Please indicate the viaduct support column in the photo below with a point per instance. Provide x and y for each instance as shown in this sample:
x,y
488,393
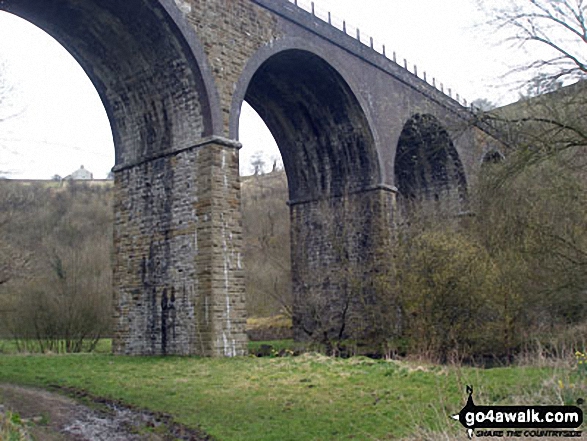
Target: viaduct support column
x,y
178,277
341,264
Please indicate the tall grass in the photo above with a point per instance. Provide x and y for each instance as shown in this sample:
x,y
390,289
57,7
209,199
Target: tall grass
x,y
12,429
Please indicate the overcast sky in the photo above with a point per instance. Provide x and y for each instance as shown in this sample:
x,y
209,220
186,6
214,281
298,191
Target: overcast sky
x,y
61,123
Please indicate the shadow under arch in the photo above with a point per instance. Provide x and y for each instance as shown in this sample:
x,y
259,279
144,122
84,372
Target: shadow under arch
x,y
323,132
336,203
146,64
493,156
428,172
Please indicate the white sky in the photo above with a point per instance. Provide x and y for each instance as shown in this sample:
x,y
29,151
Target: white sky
x,y
61,123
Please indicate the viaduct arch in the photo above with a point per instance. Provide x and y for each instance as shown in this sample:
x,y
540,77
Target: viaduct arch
x,y
172,75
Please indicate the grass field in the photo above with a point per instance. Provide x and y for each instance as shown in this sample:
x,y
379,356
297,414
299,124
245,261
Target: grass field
x,y
309,397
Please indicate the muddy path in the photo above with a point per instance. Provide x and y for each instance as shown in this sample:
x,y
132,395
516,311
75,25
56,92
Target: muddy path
x,y
51,416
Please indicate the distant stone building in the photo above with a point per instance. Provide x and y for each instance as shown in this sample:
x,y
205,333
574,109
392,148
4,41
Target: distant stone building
x,y
80,175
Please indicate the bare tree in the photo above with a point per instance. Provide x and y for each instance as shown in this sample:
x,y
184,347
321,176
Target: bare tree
x,y
557,29
58,281
267,254
258,163
15,203
531,216
550,119
483,104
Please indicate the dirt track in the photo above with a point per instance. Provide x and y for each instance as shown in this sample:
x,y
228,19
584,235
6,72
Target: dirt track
x,y
54,417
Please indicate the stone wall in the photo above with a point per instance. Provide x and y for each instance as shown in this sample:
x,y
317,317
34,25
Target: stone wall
x,y
178,273
342,246
179,281
231,32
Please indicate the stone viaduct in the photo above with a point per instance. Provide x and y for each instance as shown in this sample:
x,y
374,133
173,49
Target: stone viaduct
x,y
358,134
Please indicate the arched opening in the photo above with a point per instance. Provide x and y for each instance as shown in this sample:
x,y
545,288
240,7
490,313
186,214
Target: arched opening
x,y
321,130
141,63
330,159
151,74
56,217
428,172
52,119
492,157
266,228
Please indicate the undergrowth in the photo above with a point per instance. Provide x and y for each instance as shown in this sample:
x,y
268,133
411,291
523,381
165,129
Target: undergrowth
x,y
12,428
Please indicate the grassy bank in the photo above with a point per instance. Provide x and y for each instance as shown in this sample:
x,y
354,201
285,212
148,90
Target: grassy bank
x,y
293,398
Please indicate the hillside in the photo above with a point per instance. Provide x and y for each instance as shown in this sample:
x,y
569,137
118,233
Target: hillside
x,y
56,242
266,232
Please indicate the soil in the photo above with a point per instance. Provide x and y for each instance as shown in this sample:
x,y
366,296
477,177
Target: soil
x,y
52,416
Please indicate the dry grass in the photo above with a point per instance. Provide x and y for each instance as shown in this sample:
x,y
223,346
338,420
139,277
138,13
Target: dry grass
x,y
276,321
11,428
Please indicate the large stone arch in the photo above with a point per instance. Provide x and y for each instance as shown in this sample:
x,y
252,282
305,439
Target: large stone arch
x,y
428,171
336,203
315,55
323,134
147,66
177,221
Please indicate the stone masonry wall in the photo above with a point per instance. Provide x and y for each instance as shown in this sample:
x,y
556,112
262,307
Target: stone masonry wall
x,y
177,273
178,270
231,32
342,246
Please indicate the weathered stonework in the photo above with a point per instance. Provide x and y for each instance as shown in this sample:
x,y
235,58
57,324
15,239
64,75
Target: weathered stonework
x,y
232,32
178,266
172,75
342,246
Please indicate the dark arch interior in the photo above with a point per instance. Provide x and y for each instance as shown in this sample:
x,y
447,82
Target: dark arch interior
x,y
427,166
139,62
492,157
325,141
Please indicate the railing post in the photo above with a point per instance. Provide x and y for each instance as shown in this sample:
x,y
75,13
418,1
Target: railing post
x,y
384,51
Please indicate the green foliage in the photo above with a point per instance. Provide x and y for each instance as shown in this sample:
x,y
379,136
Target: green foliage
x,y
448,284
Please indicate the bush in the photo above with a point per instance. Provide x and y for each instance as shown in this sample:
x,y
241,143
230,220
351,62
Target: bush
x,y
449,287
63,297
